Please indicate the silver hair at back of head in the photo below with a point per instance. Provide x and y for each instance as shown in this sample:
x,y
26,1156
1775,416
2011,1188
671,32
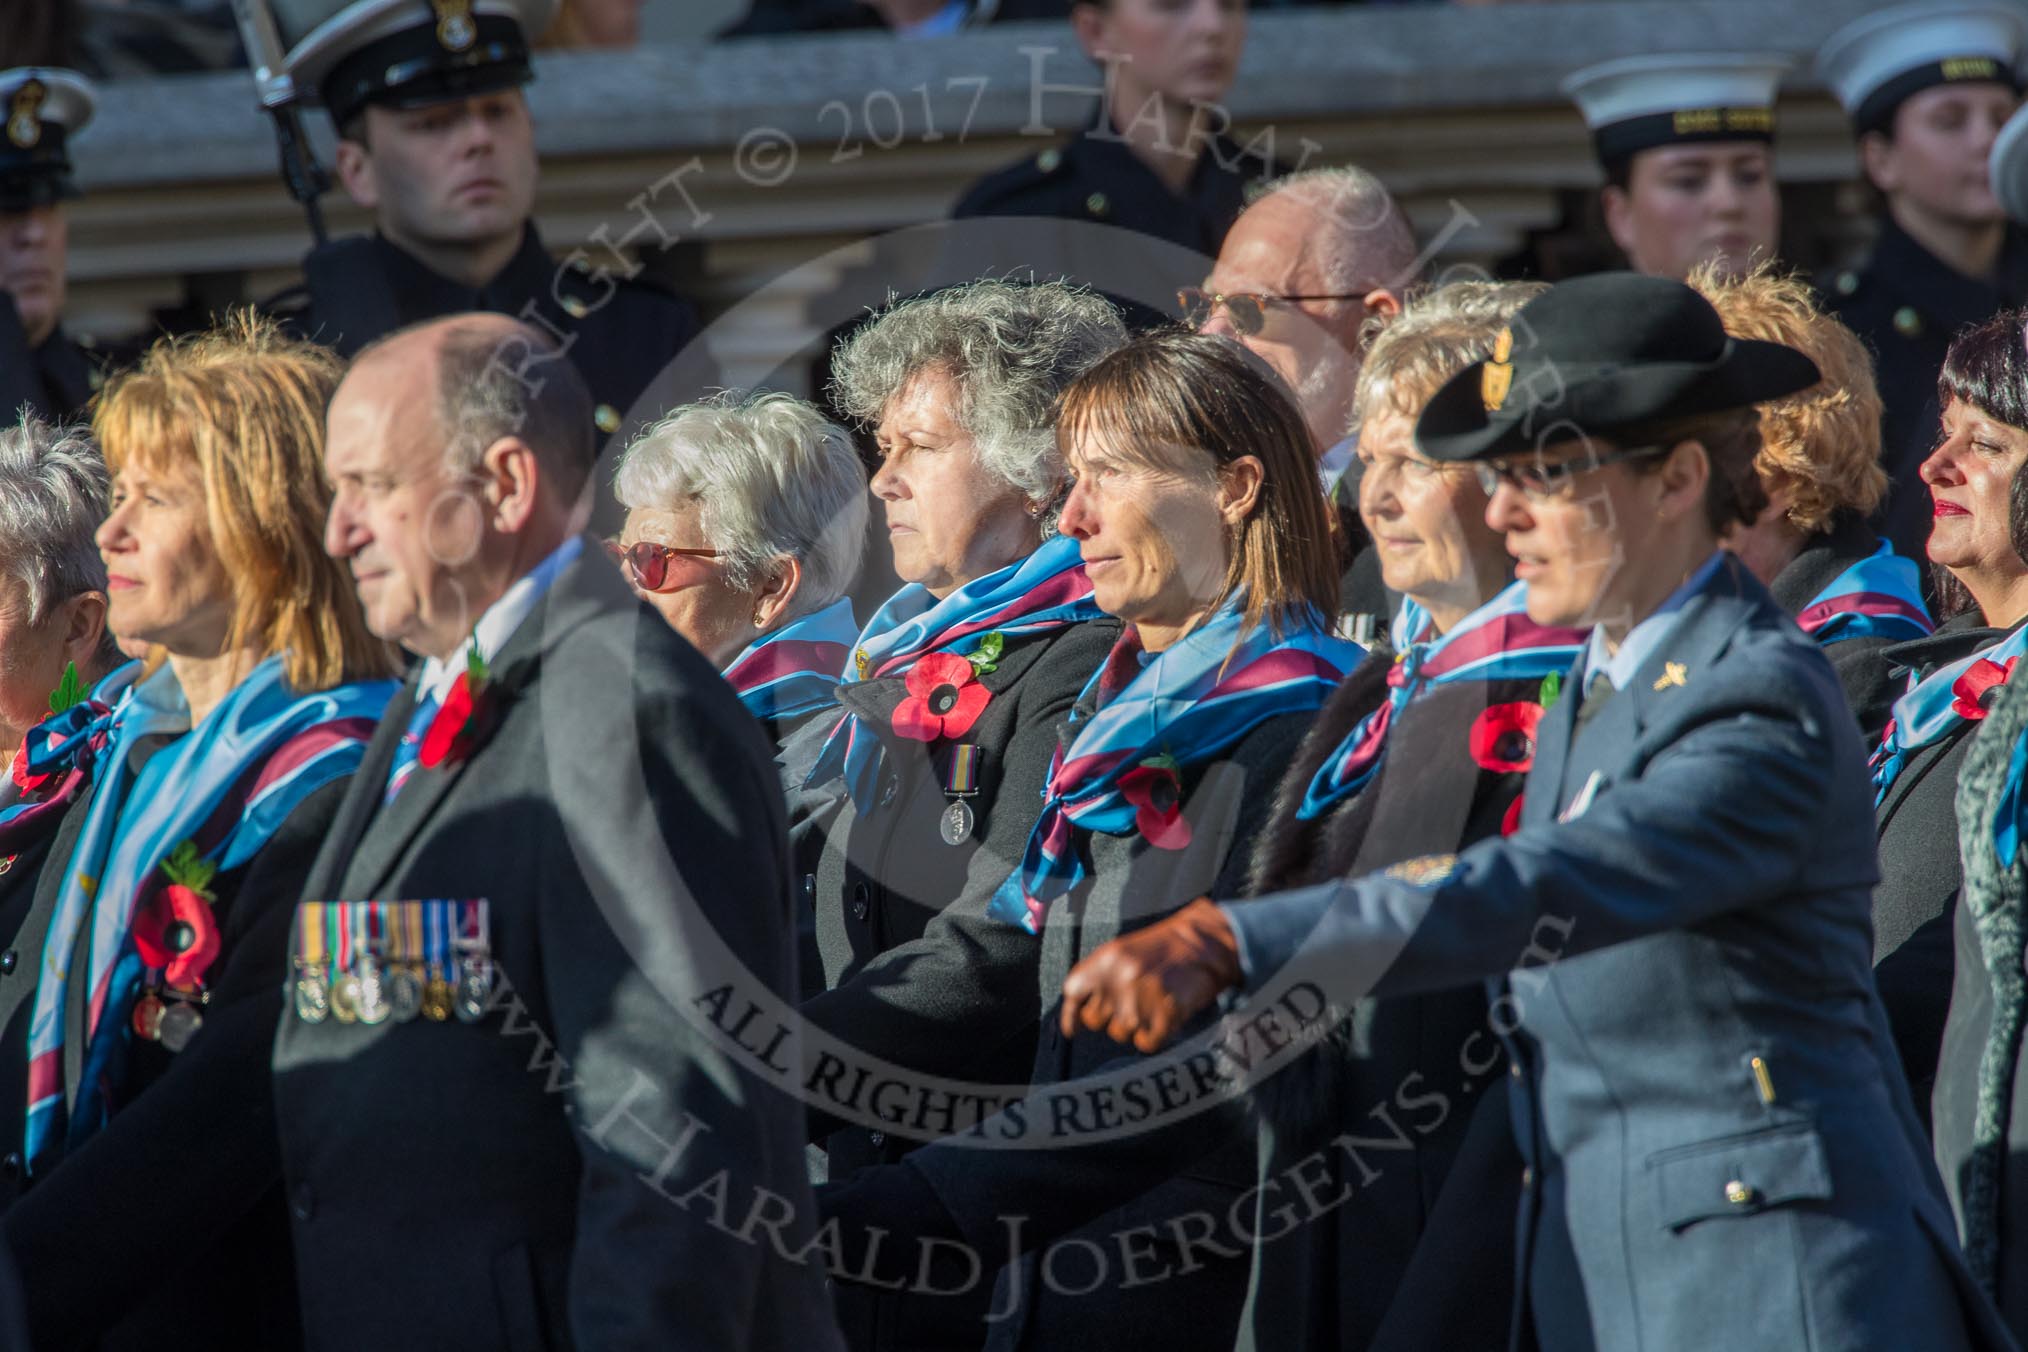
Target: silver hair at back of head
x,y
53,490
772,477
1438,334
1363,239
1009,349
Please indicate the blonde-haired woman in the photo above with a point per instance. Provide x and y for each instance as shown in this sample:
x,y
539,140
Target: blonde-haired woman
x,y
1820,466
164,927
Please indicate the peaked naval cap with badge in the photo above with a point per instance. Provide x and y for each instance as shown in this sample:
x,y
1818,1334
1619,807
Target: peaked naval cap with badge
x,y
406,53
44,107
1600,354
1876,63
1641,102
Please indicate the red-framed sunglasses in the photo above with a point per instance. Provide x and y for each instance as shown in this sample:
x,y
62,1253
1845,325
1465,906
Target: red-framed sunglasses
x,y
648,563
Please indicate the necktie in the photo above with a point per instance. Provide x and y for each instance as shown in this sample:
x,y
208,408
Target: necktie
x,y
409,752
1598,691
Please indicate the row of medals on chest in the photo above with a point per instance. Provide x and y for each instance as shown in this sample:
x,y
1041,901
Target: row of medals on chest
x,y
376,991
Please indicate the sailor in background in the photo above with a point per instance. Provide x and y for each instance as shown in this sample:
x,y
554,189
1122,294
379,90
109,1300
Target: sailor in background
x,y
1927,87
50,372
1686,142
436,142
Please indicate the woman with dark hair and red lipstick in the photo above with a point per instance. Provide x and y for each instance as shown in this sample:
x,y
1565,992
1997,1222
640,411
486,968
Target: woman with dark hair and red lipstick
x,y
1979,545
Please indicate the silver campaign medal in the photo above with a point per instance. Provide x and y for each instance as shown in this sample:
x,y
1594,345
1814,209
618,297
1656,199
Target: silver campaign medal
x,y
180,1022
373,1004
404,994
313,996
475,989
956,824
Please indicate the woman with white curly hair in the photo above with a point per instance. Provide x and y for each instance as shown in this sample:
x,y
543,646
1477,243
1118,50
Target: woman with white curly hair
x,y
951,703
746,519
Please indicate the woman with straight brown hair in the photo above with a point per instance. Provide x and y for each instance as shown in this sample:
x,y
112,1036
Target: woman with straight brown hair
x,y
158,936
1196,511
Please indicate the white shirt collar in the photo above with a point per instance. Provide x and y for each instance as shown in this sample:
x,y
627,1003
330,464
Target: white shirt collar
x,y
1646,636
499,621
1335,461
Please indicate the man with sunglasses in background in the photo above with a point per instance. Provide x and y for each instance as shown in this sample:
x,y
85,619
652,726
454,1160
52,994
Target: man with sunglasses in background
x,y
1303,270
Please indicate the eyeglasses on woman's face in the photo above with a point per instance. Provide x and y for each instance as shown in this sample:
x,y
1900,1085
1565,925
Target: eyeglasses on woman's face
x,y
647,563
1541,480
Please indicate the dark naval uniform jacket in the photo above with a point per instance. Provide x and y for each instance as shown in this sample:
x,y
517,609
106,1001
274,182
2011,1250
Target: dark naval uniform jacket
x,y
515,1182
54,381
1908,304
623,334
1708,1099
1063,197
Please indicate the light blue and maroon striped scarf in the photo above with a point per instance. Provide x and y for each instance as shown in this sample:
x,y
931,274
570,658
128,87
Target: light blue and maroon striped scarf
x,y
1879,596
795,670
1045,591
1181,707
1496,642
227,785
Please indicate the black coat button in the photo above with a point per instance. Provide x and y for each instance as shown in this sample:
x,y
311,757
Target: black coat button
x,y
879,1139
859,902
8,962
302,1202
10,1166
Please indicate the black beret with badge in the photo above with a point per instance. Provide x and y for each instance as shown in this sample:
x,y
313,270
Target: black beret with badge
x,y
406,53
1600,354
1641,102
1876,63
44,108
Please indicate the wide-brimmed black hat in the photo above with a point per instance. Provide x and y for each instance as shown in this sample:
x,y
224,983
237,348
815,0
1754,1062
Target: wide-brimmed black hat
x,y
1599,354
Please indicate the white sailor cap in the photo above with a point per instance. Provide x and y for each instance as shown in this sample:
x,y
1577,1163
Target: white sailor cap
x,y
43,107
1875,63
1640,102
346,54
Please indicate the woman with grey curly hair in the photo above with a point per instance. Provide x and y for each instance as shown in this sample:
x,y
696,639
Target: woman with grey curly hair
x,y
952,700
746,519
52,581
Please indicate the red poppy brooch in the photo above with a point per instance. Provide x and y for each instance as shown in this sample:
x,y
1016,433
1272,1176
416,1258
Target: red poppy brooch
x,y
1502,740
944,696
454,734
1972,690
175,933
1156,792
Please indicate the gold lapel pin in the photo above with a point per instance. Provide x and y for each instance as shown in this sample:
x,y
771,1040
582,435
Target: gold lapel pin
x,y
1673,673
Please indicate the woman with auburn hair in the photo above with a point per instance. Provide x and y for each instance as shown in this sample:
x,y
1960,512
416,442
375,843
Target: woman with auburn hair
x,y
1820,466
163,926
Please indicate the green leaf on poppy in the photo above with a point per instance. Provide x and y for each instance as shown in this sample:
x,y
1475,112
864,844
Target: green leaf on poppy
x,y
1162,760
475,666
1552,686
69,692
986,657
185,867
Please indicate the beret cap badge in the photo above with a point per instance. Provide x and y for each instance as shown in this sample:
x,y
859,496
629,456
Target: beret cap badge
x,y
1497,376
455,29
24,120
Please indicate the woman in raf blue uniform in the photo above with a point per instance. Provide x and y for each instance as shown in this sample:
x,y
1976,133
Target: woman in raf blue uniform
x,y
1819,466
746,519
1977,478
928,779
1705,1091
1927,87
164,912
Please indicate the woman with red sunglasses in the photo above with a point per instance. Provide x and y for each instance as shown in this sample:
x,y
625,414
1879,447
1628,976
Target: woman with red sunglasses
x,y
746,518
